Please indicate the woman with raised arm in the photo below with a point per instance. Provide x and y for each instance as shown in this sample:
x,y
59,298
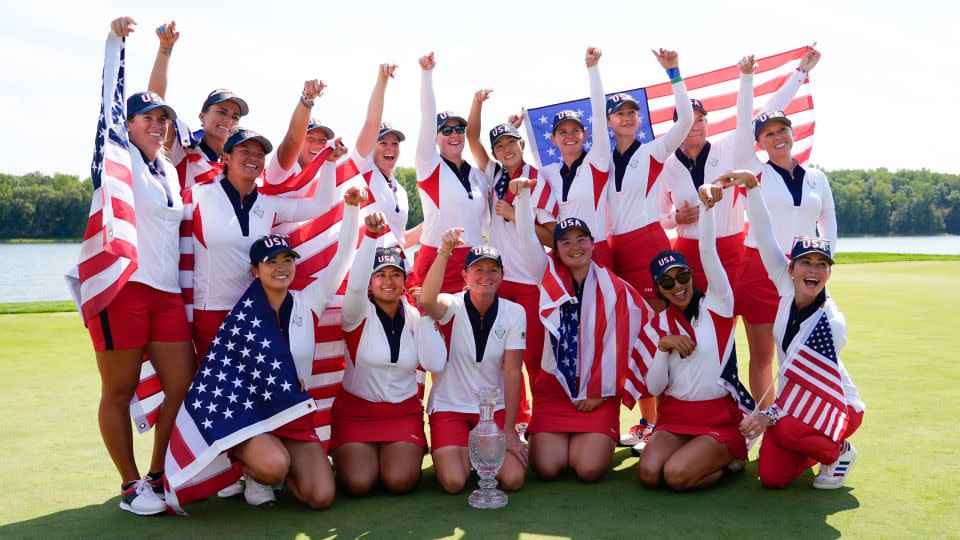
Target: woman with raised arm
x,y
485,337
807,424
688,354
377,418
376,156
147,315
592,319
518,285
801,200
580,190
452,193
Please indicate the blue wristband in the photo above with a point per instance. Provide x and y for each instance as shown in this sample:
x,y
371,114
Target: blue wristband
x,y
673,73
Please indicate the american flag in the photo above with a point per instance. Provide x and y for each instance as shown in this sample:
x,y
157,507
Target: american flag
x,y
247,385
541,196
716,89
611,315
672,322
812,391
108,255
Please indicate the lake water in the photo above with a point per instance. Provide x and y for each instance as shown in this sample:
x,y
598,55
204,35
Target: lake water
x,y
35,271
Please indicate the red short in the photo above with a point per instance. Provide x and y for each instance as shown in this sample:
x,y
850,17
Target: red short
x,y
453,428
205,326
719,418
452,277
527,296
729,248
301,429
755,296
602,254
791,447
632,253
354,419
139,315
553,412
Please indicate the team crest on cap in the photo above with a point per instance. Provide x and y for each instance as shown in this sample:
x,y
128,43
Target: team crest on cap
x,y
667,260
812,242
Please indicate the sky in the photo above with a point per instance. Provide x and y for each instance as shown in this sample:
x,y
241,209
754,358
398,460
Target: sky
x,y
887,66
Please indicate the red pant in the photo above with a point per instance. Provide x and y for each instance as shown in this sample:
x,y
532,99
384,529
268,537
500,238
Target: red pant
x,y
527,296
791,447
452,277
205,326
729,248
632,253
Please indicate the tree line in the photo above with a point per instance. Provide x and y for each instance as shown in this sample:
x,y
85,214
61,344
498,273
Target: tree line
x,y
874,201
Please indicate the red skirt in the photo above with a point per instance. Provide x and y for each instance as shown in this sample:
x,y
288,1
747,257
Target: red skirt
x,y
452,276
632,253
719,418
755,296
354,419
602,254
206,322
553,412
729,248
301,429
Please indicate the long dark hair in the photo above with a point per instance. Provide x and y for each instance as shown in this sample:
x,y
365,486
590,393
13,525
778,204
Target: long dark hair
x,y
692,311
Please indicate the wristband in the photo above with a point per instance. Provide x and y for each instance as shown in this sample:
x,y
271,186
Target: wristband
x,y
674,75
305,102
773,413
166,50
445,253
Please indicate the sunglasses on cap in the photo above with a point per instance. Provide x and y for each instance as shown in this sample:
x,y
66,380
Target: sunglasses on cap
x,y
447,131
682,277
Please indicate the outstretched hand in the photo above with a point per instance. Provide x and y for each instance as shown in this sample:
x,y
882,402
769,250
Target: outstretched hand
x,y
809,59
428,61
387,71
451,239
747,65
339,150
516,120
355,196
376,223
313,89
123,26
592,57
168,35
668,59
482,95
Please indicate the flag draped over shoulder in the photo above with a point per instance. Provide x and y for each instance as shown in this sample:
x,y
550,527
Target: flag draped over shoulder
x,y
247,385
611,315
718,92
108,255
812,390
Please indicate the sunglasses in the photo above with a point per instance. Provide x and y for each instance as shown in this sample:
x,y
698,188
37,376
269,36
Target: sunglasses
x,y
447,131
669,283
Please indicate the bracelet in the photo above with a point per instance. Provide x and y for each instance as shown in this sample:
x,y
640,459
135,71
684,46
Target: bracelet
x,y
772,413
805,72
674,75
308,103
445,253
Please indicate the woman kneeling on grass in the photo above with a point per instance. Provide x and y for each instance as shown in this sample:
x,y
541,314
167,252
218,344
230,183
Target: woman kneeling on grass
x,y
592,319
486,337
689,360
817,406
247,373
377,426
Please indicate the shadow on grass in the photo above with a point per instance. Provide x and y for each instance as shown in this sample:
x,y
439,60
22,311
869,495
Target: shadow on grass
x,y
617,508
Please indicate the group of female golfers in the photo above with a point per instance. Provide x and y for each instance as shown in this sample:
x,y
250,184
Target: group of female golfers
x,y
541,282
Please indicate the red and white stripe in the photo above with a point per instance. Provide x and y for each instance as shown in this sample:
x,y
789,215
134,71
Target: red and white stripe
x,y
813,393
611,315
718,92
668,322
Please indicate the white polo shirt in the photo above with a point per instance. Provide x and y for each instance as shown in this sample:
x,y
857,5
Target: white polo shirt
x,y
454,388
389,197
159,212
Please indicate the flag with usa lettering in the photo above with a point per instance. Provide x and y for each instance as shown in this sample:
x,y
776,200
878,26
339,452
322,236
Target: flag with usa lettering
x,y
716,89
108,255
247,385
812,387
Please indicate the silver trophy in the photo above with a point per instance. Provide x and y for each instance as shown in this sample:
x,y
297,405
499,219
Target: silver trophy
x,y
488,447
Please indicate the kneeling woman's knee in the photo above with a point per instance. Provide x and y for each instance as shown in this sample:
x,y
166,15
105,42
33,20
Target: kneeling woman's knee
x,y
400,481
677,477
651,473
452,480
320,497
269,468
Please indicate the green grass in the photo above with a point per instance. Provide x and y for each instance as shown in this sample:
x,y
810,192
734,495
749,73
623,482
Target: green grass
x,y
57,481
16,308
858,258
41,240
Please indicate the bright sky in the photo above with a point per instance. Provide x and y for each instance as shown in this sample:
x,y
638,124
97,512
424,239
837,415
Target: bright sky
x,y
885,64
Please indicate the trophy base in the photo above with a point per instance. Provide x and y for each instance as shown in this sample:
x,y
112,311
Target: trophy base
x,y
487,499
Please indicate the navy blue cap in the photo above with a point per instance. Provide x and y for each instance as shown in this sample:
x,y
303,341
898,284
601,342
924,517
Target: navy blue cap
x,y
269,246
389,257
220,95
315,124
144,102
565,115
805,245
482,252
446,116
387,128
665,261
697,104
766,118
243,135
501,131
617,101
567,224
